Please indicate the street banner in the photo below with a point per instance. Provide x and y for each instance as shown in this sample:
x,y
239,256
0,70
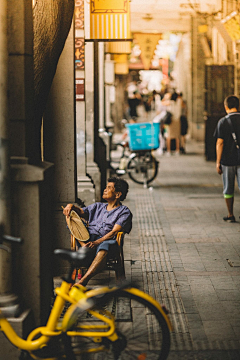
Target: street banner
x,y
147,43
109,20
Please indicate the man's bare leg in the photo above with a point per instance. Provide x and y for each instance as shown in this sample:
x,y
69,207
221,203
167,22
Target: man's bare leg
x,y
229,203
98,264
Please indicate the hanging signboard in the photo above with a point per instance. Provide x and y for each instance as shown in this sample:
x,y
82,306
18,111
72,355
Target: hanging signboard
x,y
109,20
147,43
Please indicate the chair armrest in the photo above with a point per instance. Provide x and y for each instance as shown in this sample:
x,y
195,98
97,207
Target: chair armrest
x,y
73,243
119,238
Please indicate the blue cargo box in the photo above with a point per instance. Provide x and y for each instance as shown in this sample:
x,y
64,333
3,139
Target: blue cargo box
x,y
143,136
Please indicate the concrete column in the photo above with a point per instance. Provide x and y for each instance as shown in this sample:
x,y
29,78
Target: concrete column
x,y
91,136
101,68
198,82
20,45
31,187
103,134
5,258
30,207
59,138
85,186
92,168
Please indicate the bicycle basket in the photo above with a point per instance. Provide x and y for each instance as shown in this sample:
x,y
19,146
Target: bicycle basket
x,y
143,136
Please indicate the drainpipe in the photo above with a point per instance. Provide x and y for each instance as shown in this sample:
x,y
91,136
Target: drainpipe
x,y
7,299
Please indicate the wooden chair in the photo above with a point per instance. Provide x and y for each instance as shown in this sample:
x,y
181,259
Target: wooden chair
x,y
114,262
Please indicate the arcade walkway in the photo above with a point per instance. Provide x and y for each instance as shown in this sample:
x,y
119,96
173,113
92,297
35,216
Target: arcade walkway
x,y
182,253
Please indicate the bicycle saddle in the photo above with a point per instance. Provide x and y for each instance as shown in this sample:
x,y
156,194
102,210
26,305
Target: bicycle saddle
x,y
79,258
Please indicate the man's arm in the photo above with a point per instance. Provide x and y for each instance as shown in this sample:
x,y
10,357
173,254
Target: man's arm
x,y
108,236
219,150
78,210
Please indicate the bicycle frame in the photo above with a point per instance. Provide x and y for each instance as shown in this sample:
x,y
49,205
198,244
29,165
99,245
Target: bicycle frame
x,y
51,329
77,297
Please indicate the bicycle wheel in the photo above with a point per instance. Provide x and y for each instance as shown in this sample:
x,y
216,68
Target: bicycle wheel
x,y
142,168
142,329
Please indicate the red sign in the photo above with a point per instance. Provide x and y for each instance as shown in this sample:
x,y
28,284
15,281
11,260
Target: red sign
x,y
80,89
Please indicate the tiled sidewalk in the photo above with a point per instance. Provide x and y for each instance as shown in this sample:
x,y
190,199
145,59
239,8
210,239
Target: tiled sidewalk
x,y
182,253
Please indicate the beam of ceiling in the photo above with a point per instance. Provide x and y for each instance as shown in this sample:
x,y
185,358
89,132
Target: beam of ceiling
x,y
167,15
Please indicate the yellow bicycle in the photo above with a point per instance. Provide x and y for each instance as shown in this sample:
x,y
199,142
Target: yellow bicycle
x,y
104,323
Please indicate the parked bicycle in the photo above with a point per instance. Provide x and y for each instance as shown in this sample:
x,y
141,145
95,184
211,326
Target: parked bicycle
x,y
104,323
136,158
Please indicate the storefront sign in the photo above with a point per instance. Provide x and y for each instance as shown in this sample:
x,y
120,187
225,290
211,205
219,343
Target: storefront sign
x,y
109,20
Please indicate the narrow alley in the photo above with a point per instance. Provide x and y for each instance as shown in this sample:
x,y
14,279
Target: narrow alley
x,y
182,253
75,76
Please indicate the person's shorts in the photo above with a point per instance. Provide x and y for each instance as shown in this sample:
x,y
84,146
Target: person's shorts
x,y
228,176
107,245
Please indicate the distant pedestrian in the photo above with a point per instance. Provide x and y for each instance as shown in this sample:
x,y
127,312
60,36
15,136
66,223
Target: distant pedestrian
x,y
228,156
184,125
134,99
174,106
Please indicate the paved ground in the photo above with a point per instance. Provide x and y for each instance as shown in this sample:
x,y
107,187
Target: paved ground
x,y
182,253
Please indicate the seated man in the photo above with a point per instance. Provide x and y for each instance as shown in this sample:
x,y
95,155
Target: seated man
x,y
105,221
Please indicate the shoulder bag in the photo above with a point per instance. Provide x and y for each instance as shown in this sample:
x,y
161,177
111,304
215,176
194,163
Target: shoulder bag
x,y
167,119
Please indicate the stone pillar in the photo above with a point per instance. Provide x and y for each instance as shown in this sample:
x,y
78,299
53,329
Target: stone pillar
x,y
91,134
85,186
32,220
198,81
20,46
59,139
31,185
30,208
91,108
5,257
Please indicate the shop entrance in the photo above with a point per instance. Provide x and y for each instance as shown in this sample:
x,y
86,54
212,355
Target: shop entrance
x,y
219,83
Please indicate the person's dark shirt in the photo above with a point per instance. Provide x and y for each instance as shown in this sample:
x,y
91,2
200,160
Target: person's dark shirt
x,y
223,131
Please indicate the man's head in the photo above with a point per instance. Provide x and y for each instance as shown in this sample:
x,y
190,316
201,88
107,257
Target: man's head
x,y
231,102
120,185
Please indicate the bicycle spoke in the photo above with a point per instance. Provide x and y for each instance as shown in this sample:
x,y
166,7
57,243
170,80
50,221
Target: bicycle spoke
x,y
142,168
143,333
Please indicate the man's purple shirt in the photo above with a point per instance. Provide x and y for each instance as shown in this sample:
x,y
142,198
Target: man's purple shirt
x,y
102,221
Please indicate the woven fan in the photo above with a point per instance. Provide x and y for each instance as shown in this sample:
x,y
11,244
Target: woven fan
x,y
77,227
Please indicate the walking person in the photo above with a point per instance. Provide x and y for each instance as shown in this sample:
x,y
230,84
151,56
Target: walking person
x,y
228,156
174,129
184,126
